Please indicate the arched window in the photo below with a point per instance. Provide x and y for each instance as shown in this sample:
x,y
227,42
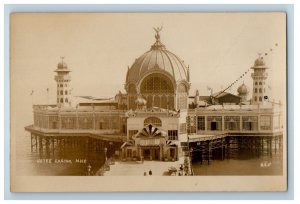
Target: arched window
x,y
255,98
152,120
157,83
66,100
260,98
61,100
61,85
61,92
260,83
181,88
256,83
260,90
255,90
66,92
57,92
155,88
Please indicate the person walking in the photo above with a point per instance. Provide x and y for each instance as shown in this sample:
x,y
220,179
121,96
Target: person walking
x,y
150,173
145,174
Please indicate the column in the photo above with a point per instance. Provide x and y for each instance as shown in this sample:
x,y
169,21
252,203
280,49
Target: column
x,y
77,120
196,122
241,123
138,152
271,120
223,123
205,121
258,121
151,154
160,103
59,121
153,97
160,152
31,141
94,120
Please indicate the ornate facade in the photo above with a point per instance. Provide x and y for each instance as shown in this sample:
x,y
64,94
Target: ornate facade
x,y
156,116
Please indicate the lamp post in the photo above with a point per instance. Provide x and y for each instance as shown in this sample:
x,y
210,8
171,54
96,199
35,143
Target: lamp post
x,y
105,151
110,148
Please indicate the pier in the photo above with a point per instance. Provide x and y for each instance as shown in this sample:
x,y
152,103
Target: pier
x,y
89,151
206,148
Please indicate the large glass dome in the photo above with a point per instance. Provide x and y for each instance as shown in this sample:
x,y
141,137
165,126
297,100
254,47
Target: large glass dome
x,y
159,77
158,57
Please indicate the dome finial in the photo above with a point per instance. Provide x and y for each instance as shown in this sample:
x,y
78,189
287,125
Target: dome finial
x,y
157,45
157,30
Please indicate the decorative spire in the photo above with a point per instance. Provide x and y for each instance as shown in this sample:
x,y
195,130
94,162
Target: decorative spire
x,y
188,73
158,45
62,64
157,30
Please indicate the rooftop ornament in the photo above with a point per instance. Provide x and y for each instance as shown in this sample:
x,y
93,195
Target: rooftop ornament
x,y
157,45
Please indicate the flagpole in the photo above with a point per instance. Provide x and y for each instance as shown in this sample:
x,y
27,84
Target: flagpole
x,y
31,94
47,96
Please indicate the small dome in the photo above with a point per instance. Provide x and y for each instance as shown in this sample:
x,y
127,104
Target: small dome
x,y
242,90
259,62
62,65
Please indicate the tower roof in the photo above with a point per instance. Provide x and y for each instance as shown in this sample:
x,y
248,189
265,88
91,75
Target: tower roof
x,y
62,66
259,63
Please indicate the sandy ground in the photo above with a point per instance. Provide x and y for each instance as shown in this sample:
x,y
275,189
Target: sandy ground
x,y
137,168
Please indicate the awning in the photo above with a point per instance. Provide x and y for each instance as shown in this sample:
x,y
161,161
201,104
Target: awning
x,y
170,143
150,131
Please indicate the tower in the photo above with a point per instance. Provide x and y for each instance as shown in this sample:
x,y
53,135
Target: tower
x,y
196,99
63,84
259,76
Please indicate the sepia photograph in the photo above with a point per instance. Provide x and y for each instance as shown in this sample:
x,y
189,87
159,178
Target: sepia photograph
x,y
110,102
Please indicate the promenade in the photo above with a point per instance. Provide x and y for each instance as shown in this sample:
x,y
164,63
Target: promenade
x,y
137,168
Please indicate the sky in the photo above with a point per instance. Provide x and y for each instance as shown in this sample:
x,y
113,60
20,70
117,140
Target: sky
x,y
98,48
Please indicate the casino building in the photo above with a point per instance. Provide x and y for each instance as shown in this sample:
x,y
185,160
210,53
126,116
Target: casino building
x,y
156,115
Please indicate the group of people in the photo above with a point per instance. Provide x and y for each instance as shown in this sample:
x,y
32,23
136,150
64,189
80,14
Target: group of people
x,y
150,173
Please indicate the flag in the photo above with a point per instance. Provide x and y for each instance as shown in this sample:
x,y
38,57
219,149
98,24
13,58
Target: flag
x,y
31,93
